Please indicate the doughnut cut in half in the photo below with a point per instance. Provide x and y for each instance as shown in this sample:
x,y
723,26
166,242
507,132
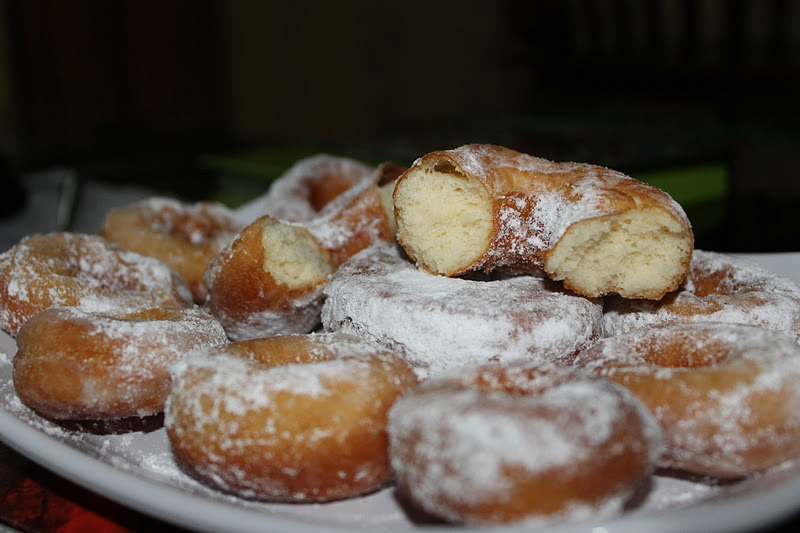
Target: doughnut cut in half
x,y
482,207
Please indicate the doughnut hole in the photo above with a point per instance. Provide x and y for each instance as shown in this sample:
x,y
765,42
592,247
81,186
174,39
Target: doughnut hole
x,y
69,269
444,218
720,281
641,253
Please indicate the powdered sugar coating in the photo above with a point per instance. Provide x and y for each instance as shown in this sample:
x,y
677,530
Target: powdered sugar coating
x,y
727,395
437,323
470,437
214,222
249,298
87,271
535,208
351,216
74,364
186,236
293,197
299,315
719,288
307,431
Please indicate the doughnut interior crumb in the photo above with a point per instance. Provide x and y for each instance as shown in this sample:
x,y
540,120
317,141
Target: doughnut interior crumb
x,y
292,256
444,218
635,254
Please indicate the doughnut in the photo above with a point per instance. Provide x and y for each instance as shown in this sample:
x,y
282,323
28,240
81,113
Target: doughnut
x,y
79,365
719,288
436,322
88,271
294,418
726,395
300,193
358,218
498,443
182,235
269,280
480,207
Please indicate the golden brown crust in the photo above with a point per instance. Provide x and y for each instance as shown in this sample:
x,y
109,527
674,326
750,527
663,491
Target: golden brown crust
x,y
76,365
725,394
718,288
297,418
246,291
269,280
357,219
184,236
74,269
303,191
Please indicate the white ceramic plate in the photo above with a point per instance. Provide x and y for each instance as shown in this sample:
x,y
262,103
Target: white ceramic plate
x,y
137,470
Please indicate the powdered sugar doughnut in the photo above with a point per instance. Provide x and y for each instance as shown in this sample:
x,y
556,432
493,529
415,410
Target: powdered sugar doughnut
x,y
359,217
88,271
77,365
184,236
436,323
306,188
508,443
269,280
719,288
482,207
296,418
727,395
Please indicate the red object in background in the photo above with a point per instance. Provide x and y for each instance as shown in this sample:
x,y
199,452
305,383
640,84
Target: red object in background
x,y
34,500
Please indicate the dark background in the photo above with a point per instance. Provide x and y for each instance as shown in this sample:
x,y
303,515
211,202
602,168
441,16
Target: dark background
x,y
143,91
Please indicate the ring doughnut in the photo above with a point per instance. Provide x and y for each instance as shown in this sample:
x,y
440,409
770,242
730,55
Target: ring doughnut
x,y
269,280
481,207
78,365
436,322
88,271
310,184
510,443
184,236
718,288
297,418
726,395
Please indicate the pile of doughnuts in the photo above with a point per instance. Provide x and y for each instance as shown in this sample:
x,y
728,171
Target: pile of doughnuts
x,y
498,337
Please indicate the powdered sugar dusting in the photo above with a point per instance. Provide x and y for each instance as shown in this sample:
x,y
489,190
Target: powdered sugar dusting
x,y
197,223
714,399
332,232
80,270
744,293
253,386
146,456
121,361
451,441
437,322
533,217
300,316
288,198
